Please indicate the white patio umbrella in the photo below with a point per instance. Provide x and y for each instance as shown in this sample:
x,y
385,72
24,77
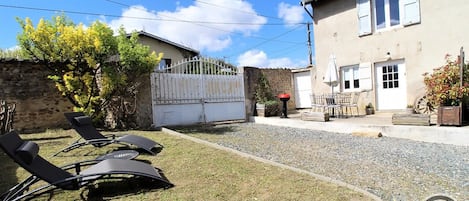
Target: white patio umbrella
x,y
331,78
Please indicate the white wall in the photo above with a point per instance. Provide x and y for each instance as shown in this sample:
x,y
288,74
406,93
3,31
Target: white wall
x,y
443,30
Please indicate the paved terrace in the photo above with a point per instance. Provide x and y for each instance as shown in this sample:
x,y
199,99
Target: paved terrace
x,y
379,122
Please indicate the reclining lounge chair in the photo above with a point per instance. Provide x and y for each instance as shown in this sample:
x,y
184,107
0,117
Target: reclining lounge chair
x,y
89,135
25,153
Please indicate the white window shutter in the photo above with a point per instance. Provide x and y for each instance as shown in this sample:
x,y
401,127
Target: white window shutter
x,y
364,17
411,11
364,71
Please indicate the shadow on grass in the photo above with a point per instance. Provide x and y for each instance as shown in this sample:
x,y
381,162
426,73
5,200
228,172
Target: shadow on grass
x,y
120,189
8,176
47,138
104,190
205,129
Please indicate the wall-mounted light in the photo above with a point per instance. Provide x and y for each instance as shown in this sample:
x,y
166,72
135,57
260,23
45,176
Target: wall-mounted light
x,y
388,56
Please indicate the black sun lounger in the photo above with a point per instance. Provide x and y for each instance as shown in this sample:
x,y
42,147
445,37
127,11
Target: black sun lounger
x,y
89,135
25,153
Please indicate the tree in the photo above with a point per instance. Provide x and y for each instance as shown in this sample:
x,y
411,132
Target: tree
x,y
80,60
72,53
121,81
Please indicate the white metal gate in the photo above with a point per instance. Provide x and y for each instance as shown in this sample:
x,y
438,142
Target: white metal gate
x,y
198,90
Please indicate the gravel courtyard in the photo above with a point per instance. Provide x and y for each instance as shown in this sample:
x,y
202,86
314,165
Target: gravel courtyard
x,y
391,168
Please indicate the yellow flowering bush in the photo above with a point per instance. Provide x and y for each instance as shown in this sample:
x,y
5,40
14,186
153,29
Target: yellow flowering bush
x,y
80,60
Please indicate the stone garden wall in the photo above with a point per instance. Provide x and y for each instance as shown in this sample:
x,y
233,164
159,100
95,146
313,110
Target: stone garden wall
x,y
280,80
39,105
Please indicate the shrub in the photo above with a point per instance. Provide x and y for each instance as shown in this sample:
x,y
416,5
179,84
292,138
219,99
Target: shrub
x,y
444,87
263,91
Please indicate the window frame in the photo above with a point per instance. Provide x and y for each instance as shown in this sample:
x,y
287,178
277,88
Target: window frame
x,y
387,16
167,63
409,14
390,76
353,77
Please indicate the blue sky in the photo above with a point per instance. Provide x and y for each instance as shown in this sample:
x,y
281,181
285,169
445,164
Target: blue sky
x,y
243,32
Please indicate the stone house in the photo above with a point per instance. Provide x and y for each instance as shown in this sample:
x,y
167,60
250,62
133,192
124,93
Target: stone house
x,y
172,52
382,47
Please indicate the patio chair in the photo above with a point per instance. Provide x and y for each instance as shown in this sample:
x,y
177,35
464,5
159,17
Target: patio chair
x,y
343,99
6,116
317,102
353,103
25,154
91,136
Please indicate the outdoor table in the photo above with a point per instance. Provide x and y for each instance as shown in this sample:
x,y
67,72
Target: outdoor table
x,y
331,103
122,154
336,103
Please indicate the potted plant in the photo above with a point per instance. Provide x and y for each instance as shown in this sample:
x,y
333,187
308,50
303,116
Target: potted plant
x,y
410,109
266,104
445,90
369,109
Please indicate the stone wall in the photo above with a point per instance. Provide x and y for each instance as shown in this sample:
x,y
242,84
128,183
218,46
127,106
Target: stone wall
x,y
39,104
144,109
280,80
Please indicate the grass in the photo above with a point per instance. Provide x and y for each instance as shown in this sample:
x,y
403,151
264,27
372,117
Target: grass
x,y
199,172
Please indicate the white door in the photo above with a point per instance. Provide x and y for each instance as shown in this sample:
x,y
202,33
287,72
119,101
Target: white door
x,y
391,85
302,89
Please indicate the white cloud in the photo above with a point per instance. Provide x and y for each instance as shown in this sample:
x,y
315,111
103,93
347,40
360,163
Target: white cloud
x,y
258,58
254,58
14,48
290,14
200,36
281,63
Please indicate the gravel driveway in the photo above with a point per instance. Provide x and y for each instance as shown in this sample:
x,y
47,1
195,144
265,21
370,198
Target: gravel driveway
x,y
391,168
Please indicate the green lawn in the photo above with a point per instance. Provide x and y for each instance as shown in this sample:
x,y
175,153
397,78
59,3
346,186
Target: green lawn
x,y
198,172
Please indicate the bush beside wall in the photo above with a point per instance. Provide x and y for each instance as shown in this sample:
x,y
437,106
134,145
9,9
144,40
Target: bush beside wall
x,y
281,81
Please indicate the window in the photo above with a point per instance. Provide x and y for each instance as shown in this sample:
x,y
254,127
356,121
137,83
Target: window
x,y
164,63
390,76
386,14
350,78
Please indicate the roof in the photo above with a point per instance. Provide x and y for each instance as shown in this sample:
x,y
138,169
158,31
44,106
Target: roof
x,y
312,2
167,41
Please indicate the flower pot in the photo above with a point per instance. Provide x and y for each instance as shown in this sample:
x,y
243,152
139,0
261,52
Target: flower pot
x,y
268,110
260,109
449,115
369,111
410,111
